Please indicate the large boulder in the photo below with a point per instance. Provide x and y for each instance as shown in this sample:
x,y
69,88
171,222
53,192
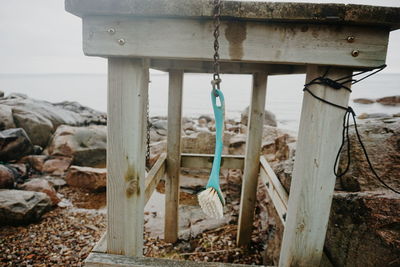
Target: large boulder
x,y
56,165
88,115
15,144
85,145
364,229
21,207
269,117
41,185
41,118
6,118
381,139
7,177
92,179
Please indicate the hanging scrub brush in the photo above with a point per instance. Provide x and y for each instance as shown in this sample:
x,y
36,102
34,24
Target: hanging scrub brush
x,y
211,199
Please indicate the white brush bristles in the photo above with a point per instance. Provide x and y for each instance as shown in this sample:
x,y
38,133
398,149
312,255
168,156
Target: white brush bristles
x,y
210,203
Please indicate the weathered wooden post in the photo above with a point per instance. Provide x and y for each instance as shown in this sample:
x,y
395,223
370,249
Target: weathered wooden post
x,y
252,165
127,97
173,156
313,178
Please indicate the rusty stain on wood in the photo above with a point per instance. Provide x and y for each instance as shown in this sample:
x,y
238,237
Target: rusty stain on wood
x,y
132,179
236,33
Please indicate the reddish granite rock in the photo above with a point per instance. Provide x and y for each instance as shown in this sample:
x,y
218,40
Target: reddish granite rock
x,y
35,161
6,177
389,100
92,179
56,166
364,229
381,140
363,101
41,185
85,145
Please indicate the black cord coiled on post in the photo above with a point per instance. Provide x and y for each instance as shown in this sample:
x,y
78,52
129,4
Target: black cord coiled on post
x,y
337,85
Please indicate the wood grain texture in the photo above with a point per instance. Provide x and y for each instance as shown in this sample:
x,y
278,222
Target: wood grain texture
x,y
245,10
251,42
108,260
252,163
173,155
313,178
225,67
127,97
204,161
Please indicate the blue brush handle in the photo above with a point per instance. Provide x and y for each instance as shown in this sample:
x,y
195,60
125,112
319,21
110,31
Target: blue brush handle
x,y
219,111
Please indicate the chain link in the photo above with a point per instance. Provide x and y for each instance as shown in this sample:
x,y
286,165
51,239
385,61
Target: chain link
x,y
148,134
217,14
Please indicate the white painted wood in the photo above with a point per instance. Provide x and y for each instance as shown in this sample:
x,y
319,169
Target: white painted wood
x,y
248,41
204,161
313,178
127,96
252,164
225,67
173,155
154,176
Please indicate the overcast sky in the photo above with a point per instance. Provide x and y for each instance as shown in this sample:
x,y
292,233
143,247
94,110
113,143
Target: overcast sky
x,y
38,36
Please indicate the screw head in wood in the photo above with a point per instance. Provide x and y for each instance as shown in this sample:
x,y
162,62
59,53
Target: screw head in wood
x,y
121,41
111,30
350,39
355,53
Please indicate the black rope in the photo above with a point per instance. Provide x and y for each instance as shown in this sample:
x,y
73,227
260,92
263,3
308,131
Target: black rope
x,y
349,114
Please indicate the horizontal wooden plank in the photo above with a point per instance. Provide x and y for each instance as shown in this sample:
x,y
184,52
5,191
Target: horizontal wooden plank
x,y
110,260
204,161
154,176
225,67
251,42
249,10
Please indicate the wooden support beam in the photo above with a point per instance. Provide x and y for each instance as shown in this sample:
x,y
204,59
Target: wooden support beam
x,y
225,67
173,155
252,164
127,97
154,176
106,260
313,178
275,190
204,161
244,41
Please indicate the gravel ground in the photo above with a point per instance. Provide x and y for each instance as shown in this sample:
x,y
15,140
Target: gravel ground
x,y
65,236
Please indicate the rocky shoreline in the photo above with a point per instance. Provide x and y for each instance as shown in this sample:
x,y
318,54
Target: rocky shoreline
x,y
53,179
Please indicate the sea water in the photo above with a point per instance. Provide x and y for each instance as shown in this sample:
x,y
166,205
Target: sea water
x,y
284,93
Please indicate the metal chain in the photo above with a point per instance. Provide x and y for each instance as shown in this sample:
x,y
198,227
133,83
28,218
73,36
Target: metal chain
x,y
148,135
217,14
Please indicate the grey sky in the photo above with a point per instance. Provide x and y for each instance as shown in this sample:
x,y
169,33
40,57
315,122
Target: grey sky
x,y
38,36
